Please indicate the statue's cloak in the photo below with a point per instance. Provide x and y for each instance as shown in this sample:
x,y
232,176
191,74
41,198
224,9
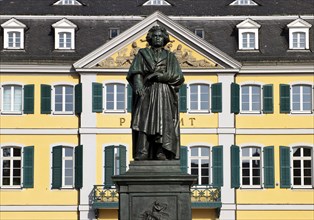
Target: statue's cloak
x,y
155,113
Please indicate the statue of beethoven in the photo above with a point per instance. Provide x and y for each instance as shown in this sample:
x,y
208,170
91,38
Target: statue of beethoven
x,y
155,76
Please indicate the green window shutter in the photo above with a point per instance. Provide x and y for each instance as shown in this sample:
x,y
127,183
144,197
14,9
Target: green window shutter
x,y
217,157
184,159
28,167
235,98
269,169
29,99
130,93
57,167
122,155
78,98
79,167
284,98
45,105
109,165
235,166
216,91
182,101
97,97
268,99
285,180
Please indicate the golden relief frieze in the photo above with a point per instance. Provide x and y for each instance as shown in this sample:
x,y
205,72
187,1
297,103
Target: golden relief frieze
x,y
187,57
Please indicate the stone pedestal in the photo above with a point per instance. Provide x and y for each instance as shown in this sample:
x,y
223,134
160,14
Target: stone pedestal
x,y
154,189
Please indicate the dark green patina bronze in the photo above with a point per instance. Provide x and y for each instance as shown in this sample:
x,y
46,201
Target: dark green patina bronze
x,y
155,76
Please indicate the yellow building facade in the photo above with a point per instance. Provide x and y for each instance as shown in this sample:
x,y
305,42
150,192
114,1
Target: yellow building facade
x,y
70,133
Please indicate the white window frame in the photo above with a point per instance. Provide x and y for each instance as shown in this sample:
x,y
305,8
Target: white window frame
x,y
301,111
297,34
115,110
64,36
190,158
299,25
156,3
199,110
251,186
244,3
250,111
64,158
12,99
9,26
63,112
302,171
64,26
111,32
202,32
11,168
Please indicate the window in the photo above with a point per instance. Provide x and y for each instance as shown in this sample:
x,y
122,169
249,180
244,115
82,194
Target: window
x,y
302,166
11,166
115,97
12,99
115,162
64,34
13,34
243,2
199,97
14,40
67,167
199,32
64,99
298,40
299,34
156,2
248,35
248,40
251,166
301,98
200,165
67,2
65,40
250,98
113,32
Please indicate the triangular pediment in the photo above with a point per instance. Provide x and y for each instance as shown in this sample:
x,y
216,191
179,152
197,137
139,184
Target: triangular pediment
x,y
248,23
64,23
13,23
299,23
190,50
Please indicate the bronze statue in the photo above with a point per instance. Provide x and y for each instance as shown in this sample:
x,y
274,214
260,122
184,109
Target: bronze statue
x,y
155,76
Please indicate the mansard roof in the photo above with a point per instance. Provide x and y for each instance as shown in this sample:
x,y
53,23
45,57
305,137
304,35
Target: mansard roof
x,y
177,8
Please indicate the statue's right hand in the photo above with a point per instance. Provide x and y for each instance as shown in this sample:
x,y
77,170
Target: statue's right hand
x,y
140,91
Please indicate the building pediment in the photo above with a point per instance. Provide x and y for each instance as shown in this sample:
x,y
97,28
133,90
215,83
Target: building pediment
x,y
191,51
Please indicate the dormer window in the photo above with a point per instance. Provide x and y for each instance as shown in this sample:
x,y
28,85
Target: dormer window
x,y
156,2
248,35
64,35
199,32
67,2
13,34
244,2
299,35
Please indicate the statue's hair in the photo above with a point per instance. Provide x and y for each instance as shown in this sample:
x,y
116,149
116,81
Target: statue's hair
x,y
157,28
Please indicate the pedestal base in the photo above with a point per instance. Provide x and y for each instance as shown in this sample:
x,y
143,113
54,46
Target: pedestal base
x,y
154,190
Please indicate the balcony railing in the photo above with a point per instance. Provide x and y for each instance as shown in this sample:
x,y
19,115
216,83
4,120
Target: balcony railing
x,y
201,197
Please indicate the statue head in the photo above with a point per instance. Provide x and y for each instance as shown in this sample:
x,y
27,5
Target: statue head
x,y
155,32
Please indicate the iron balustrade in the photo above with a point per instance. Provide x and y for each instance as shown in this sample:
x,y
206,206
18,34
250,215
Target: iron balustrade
x,y
201,197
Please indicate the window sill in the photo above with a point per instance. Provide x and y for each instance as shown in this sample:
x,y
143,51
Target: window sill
x,y
301,187
251,187
115,111
297,50
251,113
13,50
248,51
63,113
301,113
198,112
11,188
11,113
63,50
